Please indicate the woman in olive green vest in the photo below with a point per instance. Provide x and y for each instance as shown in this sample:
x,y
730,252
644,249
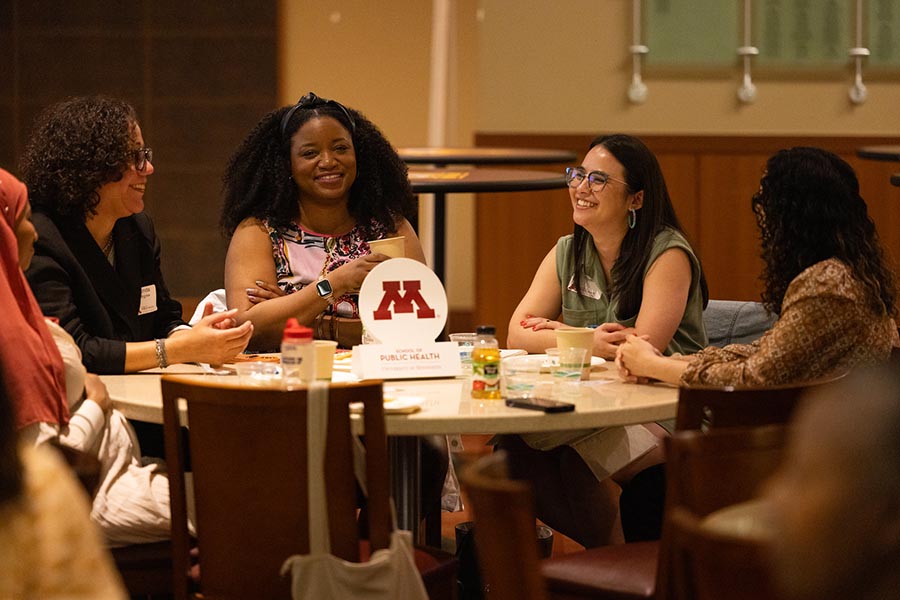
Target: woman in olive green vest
x,y
627,269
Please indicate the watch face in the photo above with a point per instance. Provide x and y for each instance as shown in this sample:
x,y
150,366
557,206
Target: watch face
x,y
324,288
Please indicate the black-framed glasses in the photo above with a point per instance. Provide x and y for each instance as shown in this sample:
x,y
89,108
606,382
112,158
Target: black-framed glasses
x,y
142,156
310,100
597,180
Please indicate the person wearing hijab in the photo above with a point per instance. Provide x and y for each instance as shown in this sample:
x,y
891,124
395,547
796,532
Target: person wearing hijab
x,y
54,398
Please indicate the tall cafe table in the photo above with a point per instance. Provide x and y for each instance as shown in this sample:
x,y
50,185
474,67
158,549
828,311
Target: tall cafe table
x,y
447,408
883,153
444,156
441,182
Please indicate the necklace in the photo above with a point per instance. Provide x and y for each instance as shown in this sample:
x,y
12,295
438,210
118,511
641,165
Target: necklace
x,y
108,246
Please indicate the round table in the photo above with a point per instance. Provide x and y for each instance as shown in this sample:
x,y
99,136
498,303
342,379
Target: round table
x,y
484,156
447,408
886,153
444,156
441,182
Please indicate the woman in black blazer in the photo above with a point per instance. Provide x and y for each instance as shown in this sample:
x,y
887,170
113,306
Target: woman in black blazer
x,y
97,259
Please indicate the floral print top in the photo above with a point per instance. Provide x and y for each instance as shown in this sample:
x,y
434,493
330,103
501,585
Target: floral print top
x,y
302,257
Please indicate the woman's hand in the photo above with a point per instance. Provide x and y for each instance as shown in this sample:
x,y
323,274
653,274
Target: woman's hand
x,y
349,276
634,358
538,323
263,291
215,339
95,389
608,337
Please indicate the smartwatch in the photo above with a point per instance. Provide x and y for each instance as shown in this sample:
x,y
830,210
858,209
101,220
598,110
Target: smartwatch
x,y
323,288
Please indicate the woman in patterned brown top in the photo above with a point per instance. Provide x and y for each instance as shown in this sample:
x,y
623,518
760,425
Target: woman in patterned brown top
x,y
825,276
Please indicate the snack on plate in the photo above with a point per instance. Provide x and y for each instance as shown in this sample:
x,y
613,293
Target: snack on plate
x,y
272,358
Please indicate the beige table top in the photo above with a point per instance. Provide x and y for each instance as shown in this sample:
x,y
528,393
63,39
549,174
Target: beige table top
x,y
447,406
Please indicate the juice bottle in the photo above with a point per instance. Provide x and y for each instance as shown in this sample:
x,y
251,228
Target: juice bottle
x,y
486,364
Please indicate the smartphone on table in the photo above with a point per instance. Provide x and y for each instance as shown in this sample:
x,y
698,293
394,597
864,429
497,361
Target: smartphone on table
x,y
546,405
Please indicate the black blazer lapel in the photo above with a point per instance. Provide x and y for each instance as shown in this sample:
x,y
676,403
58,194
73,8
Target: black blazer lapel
x,y
121,299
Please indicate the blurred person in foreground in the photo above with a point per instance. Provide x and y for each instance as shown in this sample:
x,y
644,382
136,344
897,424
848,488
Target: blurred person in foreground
x,y
97,260
49,548
826,277
835,502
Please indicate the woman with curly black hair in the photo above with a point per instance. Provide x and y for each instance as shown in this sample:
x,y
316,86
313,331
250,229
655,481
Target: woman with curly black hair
x,y
97,260
825,276
304,193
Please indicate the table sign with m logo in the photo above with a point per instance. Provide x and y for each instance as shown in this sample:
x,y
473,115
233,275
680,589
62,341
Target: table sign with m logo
x,y
403,305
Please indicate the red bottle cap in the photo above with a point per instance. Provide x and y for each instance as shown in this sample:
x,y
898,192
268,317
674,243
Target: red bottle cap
x,y
294,331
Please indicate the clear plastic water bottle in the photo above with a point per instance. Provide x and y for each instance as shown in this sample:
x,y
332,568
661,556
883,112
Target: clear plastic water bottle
x,y
298,356
486,364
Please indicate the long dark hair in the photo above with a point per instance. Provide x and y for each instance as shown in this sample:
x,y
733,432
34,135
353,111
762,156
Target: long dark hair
x,y
808,209
77,146
258,183
11,478
642,172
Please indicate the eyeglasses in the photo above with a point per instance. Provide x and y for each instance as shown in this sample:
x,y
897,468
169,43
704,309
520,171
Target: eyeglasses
x,y
142,156
597,180
310,100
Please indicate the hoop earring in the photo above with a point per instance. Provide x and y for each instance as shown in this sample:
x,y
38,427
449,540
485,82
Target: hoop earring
x,y
631,219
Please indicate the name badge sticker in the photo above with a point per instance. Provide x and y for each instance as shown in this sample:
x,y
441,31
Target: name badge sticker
x,y
148,299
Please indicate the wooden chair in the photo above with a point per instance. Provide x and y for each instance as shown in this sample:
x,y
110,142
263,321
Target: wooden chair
x,y
705,471
248,453
706,407
713,566
505,523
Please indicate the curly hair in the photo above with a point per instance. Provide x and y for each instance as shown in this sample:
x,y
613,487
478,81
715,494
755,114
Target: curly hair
x,y
258,182
642,172
808,209
77,146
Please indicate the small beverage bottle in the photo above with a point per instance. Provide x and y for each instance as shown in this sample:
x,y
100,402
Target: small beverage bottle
x,y
486,364
297,355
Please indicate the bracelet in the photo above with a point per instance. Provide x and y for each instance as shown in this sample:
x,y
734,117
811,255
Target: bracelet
x,y
161,357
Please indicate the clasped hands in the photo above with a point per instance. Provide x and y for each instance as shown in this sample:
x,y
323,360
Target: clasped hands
x,y
632,358
607,336
216,338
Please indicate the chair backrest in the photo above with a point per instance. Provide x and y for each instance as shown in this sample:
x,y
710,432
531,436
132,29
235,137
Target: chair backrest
x,y
504,530
708,471
735,322
248,449
712,566
707,407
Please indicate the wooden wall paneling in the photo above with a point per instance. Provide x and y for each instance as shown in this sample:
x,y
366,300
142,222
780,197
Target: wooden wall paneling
x,y
728,232
514,232
199,74
682,180
882,201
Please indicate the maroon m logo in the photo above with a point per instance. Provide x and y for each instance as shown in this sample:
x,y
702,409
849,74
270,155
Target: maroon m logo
x,y
403,303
